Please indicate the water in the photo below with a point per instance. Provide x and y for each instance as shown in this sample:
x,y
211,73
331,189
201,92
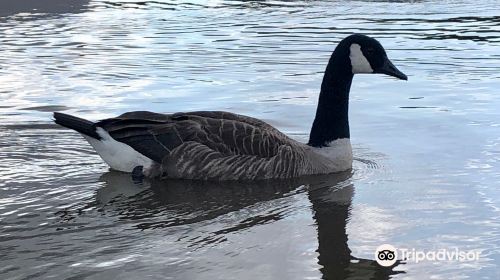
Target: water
x,y
427,151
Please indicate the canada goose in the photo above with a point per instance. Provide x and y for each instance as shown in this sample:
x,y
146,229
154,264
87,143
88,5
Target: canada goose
x,y
216,145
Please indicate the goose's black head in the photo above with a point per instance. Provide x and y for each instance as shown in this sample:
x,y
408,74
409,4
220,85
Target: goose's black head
x,y
354,54
367,55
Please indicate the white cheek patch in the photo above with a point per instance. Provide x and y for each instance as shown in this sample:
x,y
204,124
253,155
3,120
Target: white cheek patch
x,y
359,63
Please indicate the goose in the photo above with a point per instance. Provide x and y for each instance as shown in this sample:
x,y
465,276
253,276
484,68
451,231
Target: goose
x,y
218,145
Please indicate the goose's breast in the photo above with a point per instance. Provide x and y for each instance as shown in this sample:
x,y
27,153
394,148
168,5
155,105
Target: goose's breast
x,y
335,157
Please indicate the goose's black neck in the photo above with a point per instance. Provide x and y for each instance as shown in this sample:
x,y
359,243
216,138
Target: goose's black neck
x,y
331,121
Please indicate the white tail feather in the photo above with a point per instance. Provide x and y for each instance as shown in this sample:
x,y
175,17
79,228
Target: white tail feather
x,y
119,156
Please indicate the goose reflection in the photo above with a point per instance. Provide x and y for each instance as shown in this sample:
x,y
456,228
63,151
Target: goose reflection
x,y
331,205
181,202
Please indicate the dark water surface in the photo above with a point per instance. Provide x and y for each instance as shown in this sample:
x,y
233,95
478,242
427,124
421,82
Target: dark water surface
x,y
427,168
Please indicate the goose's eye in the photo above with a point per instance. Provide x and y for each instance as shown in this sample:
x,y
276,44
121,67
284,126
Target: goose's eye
x,y
370,51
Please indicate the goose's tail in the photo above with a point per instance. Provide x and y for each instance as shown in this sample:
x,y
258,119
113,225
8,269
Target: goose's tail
x,y
81,125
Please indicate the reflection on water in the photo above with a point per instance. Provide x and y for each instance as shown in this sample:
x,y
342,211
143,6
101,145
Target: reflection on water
x,y
177,203
427,151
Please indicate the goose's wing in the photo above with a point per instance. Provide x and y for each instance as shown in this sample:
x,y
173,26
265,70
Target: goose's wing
x,y
234,117
158,135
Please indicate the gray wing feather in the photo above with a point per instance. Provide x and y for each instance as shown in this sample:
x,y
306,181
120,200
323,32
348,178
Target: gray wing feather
x,y
194,160
207,144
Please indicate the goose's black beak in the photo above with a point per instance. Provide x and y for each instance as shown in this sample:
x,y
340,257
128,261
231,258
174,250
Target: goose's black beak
x,y
389,69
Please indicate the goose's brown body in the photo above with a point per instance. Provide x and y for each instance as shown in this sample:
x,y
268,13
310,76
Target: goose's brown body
x,y
214,145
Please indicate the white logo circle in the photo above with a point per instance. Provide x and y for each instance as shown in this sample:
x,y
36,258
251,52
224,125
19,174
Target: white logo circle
x,y
386,255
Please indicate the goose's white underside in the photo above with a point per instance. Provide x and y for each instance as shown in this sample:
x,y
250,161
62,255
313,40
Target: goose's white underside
x,y
117,155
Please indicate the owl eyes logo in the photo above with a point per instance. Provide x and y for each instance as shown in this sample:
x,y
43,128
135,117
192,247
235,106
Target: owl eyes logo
x,y
386,255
